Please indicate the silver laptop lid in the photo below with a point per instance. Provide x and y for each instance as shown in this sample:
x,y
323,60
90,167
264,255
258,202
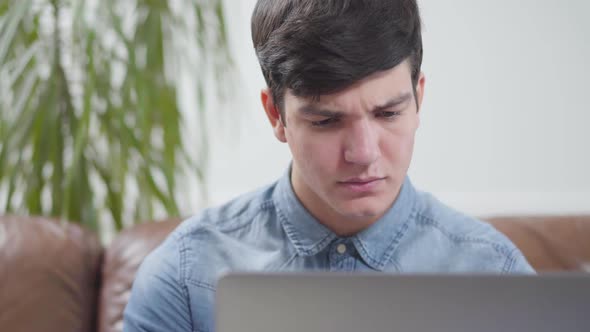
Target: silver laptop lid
x,y
329,302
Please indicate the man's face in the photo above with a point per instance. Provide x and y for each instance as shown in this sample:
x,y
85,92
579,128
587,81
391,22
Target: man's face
x,y
351,150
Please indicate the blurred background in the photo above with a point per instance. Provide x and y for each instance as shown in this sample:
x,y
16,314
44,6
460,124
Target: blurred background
x,y
119,112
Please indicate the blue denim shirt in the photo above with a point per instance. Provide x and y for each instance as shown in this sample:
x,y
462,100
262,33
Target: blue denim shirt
x,y
270,230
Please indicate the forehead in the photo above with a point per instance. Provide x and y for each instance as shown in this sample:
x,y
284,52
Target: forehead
x,y
365,94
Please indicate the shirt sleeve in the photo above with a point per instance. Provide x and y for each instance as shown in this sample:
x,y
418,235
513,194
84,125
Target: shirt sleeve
x,y
159,301
518,264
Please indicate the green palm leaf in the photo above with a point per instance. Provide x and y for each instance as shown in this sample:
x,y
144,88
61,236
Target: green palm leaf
x,y
90,122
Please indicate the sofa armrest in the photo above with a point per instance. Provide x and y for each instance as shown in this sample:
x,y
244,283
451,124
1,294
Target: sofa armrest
x,y
49,275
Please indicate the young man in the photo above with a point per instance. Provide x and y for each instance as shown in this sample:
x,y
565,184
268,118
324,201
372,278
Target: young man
x,y
344,92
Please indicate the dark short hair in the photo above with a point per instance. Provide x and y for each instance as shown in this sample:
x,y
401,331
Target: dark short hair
x,y
318,47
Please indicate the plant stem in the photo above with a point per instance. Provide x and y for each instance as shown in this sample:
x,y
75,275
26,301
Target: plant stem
x,y
60,205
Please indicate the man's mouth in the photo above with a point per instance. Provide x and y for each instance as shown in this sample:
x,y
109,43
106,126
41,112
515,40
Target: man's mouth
x,y
361,180
362,184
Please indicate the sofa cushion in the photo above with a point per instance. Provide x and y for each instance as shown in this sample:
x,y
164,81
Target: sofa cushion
x,y
550,243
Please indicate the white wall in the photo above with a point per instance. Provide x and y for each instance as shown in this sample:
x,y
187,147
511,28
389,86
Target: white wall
x,y
504,118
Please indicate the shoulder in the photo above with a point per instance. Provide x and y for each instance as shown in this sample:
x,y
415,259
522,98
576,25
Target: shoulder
x,y
210,240
455,225
232,214
200,236
472,244
182,271
158,298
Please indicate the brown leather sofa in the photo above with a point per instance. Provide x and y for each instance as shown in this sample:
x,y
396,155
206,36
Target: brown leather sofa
x,y
58,277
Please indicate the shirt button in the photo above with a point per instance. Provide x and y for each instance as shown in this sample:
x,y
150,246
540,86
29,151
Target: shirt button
x,y
341,248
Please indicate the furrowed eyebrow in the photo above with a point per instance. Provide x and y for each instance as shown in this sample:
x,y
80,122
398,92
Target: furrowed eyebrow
x,y
393,102
312,110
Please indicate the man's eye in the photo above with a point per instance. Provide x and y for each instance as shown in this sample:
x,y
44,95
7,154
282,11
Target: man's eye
x,y
387,115
324,123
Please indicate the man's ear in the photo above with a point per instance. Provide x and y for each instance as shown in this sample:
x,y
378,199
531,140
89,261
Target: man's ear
x,y
420,91
273,115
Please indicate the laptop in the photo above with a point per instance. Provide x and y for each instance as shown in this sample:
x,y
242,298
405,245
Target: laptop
x,y
327,302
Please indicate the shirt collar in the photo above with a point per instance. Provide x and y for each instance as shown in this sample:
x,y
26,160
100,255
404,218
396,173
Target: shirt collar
x,y
375,244
307,235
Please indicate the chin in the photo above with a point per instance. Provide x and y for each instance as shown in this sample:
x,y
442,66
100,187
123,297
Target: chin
x,y
362,212
363,209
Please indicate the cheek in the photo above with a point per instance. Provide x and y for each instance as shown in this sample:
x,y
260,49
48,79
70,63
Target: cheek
x,y
315,154
399,146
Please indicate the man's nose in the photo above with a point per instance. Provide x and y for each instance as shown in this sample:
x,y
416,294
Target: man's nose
x,y
362,146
